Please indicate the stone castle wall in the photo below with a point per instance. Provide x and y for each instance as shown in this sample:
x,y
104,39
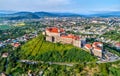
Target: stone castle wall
x,y
66,40
49,38
55,37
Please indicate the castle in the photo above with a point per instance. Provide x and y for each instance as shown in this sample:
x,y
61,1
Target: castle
x,y
96,48
54,34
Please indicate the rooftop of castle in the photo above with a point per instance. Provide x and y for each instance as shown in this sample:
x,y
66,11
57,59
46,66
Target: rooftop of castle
x,y
55,29
89,46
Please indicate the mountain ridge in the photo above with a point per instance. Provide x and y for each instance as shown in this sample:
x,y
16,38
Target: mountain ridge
x,y
36,15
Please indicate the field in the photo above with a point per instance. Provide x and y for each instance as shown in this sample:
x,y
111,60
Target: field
x,y
4,27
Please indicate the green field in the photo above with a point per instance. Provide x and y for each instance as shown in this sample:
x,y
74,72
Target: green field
x,y
39,49
4,27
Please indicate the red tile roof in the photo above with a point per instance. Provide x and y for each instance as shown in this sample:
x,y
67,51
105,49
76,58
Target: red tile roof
x,y
95,44
16,44
88,46
97,48
117,44
55,29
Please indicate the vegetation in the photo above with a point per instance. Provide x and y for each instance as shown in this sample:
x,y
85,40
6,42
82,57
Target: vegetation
x,y
81,69
4,27
21,29
39,49
114,35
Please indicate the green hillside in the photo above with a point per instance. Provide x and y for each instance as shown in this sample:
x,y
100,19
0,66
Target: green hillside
x,y
39,49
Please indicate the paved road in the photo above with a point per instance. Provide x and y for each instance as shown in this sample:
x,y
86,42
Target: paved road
x,y
108,61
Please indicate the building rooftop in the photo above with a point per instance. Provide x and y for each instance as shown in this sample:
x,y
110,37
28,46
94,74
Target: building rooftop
x,y
16,44
88,46
96,44
97,48
55,29
117,44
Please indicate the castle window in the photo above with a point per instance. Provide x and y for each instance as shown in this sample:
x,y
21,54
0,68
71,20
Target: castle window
x,y
53,39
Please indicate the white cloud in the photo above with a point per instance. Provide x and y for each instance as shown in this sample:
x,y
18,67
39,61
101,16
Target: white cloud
x,y
76,6
33,4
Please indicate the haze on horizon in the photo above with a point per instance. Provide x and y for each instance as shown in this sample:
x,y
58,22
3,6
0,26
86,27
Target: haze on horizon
x,y
73,6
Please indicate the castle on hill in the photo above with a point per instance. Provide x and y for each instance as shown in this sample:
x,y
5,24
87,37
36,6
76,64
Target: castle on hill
x,y
55,35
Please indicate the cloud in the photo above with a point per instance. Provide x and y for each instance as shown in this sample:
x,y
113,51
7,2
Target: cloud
x,y
33,4
76,6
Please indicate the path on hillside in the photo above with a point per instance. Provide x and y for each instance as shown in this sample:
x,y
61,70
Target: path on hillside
x,y
49,62
62,63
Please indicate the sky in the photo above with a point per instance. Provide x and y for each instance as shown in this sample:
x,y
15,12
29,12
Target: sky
x,y
71,6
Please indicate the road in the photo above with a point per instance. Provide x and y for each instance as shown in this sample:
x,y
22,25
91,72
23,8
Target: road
x,y
108,61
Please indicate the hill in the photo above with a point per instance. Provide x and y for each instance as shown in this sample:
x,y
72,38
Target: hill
x,y
48,14
19,15
35,15
38,49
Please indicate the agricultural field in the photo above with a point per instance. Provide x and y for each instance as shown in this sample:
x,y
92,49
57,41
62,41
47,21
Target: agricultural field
x,y
4,27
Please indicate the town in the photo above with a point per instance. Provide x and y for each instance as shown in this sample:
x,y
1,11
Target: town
x,y
88,34
83,27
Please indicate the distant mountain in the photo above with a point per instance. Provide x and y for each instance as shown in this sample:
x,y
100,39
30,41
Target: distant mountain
x,y
45,14
107,14
36,15
19,15
6,12
48,14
